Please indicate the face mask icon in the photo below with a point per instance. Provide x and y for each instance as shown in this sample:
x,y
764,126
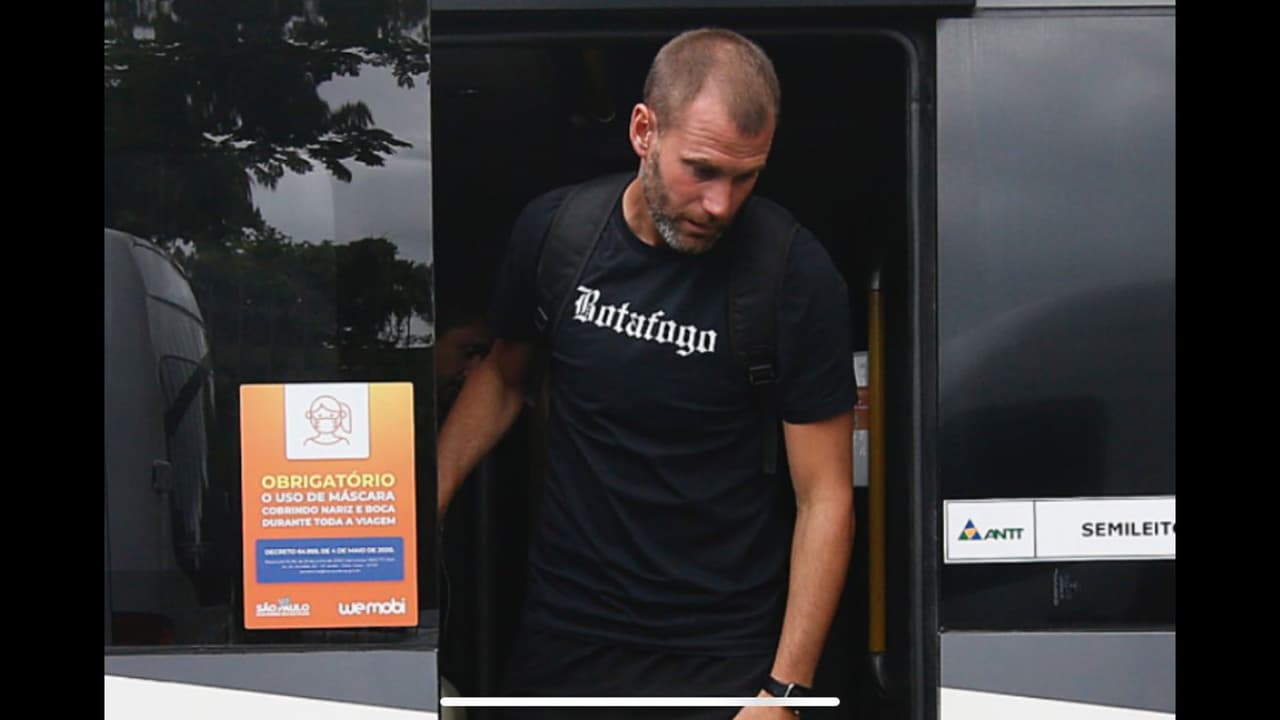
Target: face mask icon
x,y
330,418
326,421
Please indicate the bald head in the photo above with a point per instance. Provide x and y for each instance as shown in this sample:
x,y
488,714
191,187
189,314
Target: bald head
x,y
719,61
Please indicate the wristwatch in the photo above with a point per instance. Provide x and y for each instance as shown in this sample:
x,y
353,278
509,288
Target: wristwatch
x,y
777,688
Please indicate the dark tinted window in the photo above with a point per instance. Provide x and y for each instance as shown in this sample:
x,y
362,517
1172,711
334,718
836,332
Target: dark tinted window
x,y
267,188
1056,298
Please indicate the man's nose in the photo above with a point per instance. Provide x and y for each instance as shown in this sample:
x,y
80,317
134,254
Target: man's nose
x,y
717,197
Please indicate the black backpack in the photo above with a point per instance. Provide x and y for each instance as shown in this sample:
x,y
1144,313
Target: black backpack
x,y
764,232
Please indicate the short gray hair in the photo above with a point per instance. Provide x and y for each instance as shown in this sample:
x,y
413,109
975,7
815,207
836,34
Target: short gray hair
x,y
743,75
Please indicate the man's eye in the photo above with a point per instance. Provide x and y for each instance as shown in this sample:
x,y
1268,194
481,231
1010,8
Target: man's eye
x,y
703,172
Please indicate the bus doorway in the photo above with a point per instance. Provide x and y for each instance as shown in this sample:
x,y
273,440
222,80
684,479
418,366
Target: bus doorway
x,y
516,114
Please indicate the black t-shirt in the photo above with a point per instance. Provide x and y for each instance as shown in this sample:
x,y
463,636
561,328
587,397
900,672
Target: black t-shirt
x,y
658,527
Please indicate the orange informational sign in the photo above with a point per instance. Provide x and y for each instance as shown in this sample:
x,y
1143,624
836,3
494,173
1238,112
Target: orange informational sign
x,y
327,477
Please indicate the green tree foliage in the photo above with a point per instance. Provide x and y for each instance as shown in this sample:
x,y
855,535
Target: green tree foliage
x,y
204,96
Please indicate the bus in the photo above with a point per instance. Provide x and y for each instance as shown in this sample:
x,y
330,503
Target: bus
x,y
322,193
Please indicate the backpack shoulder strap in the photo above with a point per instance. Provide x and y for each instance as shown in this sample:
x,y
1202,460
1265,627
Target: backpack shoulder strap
x,y
571,238
756,269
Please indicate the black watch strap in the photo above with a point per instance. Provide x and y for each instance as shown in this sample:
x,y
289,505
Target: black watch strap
x,y
777,688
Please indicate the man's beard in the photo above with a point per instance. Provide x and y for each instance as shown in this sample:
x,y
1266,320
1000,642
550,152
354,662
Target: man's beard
x,y
655,196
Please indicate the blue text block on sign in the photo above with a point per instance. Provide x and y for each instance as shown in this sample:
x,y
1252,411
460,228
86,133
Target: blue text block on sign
x,y
330,560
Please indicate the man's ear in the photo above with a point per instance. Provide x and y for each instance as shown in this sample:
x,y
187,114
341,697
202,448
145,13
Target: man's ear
x,y
643,129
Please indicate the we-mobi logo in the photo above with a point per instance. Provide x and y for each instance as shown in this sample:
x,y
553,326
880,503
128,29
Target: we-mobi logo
x,y
394,606
284,607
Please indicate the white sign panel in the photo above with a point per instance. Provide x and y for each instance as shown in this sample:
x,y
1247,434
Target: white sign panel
x,y
990,530
1113,528
1055,529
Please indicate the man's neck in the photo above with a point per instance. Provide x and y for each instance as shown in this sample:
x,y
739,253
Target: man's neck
x,y
635,211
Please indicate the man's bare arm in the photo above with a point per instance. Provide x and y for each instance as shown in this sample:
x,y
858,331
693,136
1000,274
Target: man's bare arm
x,y
485,409
820,457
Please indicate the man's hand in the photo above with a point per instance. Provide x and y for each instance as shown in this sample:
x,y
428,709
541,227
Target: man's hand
x,y
765,712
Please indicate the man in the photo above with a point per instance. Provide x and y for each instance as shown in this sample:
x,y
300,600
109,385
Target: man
x,y
667,562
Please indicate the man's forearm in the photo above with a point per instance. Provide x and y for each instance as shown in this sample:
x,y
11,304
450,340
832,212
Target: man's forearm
x,y
820,551
483,412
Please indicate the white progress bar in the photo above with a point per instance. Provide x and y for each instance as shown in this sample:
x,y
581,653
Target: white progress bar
x,y
638,701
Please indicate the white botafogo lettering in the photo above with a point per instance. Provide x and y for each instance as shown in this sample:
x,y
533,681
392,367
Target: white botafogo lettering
x,y
651,328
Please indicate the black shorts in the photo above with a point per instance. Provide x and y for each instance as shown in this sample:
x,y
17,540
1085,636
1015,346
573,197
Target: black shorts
x,y
546,664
